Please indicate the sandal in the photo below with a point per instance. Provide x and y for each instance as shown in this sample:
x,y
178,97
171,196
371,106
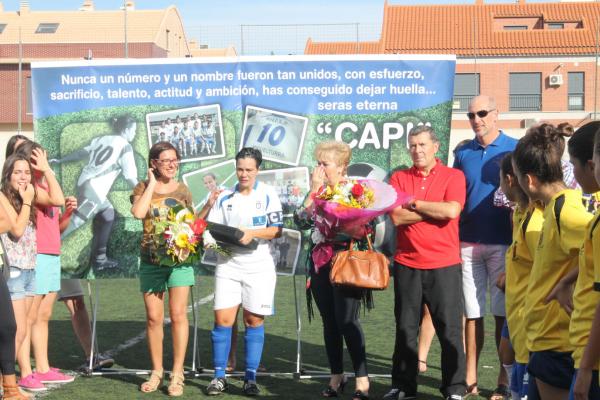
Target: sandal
x,y
12,392
471,391
502,392
176,385
153,383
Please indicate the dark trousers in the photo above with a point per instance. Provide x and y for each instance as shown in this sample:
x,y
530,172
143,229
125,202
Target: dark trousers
x,y
441,290
8,329
339,308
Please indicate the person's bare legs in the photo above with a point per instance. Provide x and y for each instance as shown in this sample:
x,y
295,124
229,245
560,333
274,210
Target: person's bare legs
x,y
426,334
80,321
180,327
549,392
24,350
39,332
155,316
502,377
473,345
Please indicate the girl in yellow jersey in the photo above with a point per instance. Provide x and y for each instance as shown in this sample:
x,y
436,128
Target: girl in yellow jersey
x,y
527,225
585,298
538,169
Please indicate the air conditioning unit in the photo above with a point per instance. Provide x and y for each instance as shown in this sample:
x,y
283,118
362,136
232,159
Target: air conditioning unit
x,y
555,79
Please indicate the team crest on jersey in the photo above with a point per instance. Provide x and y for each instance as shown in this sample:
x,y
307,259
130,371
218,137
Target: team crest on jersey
x,y
229,207
258,204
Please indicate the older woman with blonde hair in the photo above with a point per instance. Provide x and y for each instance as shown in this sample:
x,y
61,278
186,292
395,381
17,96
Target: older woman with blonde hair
x,y
338,306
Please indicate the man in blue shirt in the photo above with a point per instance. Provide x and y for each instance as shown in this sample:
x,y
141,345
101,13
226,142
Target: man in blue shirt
x,y
485,230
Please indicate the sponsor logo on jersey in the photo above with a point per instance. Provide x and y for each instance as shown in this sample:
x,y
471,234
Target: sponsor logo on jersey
x,y
260,220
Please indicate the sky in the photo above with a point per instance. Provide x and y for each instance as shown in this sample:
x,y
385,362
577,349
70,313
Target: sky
x,y
262,27
236,12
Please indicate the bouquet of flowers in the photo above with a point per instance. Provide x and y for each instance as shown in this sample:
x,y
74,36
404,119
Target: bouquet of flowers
x,y
352,194
347,208
350,205
179,237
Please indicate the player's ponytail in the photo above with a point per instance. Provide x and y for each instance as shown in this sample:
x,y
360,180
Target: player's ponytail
x,y
539,153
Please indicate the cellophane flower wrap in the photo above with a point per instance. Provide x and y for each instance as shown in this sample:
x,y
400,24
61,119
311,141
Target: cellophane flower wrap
x,y
179,237
348,208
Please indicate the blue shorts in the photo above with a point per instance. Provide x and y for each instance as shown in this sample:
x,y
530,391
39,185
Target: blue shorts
x,y
552,367
594,392
47,273
21,283
519,381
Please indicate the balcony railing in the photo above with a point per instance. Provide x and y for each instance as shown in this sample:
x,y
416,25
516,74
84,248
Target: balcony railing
x,y
576,102
462,101
525,102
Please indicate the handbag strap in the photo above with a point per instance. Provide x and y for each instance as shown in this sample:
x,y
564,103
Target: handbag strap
x,y
369,244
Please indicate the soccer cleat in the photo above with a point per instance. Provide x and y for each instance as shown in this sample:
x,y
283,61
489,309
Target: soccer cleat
x,y
100,362
250,388
217,386
397,394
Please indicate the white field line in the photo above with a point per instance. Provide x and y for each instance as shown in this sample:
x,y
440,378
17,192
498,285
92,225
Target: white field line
x,y
142,335
125,345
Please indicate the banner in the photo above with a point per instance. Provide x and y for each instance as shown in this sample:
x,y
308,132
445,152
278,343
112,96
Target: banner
x,y
209,109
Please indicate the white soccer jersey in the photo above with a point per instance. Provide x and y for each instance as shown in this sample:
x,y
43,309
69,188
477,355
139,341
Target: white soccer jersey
x,y
168,129
259,209
110,155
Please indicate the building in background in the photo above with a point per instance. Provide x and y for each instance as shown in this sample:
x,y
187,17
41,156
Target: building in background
x,y
539,60
27,35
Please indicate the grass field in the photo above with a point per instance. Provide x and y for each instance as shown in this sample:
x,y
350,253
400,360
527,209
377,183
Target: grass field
x,y
121,319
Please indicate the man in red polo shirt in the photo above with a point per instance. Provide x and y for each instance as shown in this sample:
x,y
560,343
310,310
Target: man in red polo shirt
x,y
427,268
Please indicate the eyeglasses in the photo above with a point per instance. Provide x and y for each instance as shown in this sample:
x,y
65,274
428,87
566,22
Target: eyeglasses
x,y
480,113
167,161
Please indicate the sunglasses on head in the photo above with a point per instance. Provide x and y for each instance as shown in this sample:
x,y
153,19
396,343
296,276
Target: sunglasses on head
x,y
480,113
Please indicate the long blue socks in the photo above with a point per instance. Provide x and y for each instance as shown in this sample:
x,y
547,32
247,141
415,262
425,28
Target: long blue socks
x,y
254,339
221,341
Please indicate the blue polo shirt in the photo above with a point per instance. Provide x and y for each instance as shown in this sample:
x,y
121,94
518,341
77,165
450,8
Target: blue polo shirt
x,y
481,221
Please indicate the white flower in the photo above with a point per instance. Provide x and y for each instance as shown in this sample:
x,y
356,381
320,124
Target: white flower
x,y
208,240
317,237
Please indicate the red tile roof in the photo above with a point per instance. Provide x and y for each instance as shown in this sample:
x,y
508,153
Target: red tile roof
x,y
342,47
468,30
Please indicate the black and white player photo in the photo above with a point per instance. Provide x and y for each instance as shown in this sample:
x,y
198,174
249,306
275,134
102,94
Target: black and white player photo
x,y
196,132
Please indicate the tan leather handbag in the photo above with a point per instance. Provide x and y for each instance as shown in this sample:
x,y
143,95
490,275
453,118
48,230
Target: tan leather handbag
x,y
366,269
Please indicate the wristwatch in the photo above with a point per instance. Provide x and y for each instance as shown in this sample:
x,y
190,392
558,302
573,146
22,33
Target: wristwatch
x,y
413,205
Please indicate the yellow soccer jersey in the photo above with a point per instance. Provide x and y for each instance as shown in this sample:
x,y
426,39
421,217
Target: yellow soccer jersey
x,y
585,298
527,225
563,230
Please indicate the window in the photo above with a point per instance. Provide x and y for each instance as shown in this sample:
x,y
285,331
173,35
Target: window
x,y
47,28
556,25
525,91
466,86
515,27
576,90
2,27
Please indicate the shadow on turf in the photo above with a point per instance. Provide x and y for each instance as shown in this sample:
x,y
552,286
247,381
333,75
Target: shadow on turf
x,y
279,356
